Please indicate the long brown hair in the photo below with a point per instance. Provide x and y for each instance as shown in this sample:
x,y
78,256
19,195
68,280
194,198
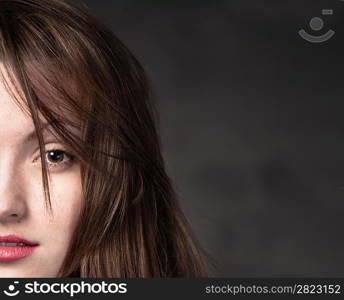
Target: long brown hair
x,y
66,65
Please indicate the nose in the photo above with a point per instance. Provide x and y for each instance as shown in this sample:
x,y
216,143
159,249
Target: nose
x,y
12,197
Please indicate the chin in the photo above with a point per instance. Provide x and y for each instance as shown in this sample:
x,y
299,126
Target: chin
x,y
14,272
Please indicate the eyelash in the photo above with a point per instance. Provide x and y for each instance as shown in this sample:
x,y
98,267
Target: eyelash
x,y
62,164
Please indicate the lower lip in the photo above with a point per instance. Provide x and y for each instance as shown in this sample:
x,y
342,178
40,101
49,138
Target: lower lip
x,y
10,253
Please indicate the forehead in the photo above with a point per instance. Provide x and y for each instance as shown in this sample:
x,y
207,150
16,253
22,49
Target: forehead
x,y
15,117
10,110
51,91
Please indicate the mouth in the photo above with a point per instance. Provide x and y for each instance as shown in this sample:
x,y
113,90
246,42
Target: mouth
x,y
13,248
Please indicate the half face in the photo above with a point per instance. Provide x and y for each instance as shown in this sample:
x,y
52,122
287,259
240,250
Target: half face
x,y
22,209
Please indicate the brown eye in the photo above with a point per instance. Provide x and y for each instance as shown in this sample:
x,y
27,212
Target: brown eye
x,y
55,156
58,159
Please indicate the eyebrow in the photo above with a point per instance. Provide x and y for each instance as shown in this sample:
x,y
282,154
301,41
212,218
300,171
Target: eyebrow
x,y
31,137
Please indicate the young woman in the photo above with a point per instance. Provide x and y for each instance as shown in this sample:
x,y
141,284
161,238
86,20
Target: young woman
x,y
83,186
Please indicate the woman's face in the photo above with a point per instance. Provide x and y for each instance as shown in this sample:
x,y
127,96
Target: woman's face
x,y
22,207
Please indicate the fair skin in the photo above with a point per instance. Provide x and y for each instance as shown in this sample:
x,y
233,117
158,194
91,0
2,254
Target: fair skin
x,y
22,208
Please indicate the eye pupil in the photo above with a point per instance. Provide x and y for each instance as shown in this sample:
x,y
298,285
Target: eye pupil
x,y
55,156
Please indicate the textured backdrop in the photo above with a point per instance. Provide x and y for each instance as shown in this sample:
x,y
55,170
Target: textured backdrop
x,y
251,123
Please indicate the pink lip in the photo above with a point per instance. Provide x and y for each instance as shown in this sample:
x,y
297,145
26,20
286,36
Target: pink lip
x,y
9,253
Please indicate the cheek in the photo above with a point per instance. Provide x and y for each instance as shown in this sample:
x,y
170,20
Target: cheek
x,y
65,195
53,231
66,201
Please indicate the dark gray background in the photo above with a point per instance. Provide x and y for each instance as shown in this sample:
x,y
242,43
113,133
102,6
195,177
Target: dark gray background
x,y
251,123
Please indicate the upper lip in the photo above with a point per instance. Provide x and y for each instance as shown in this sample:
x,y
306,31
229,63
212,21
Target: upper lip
x,y
16,239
